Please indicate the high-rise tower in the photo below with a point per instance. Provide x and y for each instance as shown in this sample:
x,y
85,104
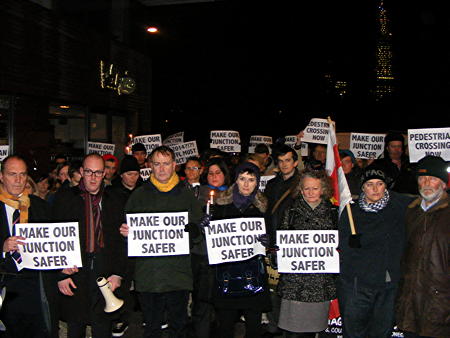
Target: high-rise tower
x,y
384,73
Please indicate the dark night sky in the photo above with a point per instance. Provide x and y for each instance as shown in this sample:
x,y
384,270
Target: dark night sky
x,y
258,67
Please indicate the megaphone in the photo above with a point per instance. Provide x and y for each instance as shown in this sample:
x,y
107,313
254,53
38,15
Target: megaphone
x,y
112,302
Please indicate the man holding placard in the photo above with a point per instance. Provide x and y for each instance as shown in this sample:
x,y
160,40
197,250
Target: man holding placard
x,y
99,215
27,309
158,213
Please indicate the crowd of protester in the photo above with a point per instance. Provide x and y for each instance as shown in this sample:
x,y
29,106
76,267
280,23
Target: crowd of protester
x,y
393,271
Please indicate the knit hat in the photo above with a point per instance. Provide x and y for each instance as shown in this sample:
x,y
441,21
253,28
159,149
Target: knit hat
x,y
129,163
394,136
372,172
345,152
432,166
138,147
109,157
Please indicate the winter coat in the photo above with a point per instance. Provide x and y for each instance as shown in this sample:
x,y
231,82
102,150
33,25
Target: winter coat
x,y
275,189
225,209
311,287
424,297
30,290
382,243
110,260
164,273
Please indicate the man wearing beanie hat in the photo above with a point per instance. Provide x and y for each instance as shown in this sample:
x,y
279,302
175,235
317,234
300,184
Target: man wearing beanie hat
x,y
423,307
370,260
138,150
396,164
129,181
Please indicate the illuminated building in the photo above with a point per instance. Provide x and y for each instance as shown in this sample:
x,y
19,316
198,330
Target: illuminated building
x,y
384,73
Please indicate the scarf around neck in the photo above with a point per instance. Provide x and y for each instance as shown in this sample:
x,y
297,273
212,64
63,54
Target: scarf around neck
x,y
240,201
22,203
165,187
93,218
373,207
221,188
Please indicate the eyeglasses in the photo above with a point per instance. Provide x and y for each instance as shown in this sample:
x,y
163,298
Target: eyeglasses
x,y
192,168
89,172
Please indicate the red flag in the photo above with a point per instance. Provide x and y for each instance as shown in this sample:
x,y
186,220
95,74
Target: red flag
x,y
341,192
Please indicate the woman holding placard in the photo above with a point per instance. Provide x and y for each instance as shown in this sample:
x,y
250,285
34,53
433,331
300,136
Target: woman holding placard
x,y
305,297
241,200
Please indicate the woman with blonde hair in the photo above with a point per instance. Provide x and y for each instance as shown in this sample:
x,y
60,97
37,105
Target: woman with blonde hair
x,y
305,297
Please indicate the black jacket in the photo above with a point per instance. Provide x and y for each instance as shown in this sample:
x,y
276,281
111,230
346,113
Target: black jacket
x,y
382,243
23,289
111,260
225,209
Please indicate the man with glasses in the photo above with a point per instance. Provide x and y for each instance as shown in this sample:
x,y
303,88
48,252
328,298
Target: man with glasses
x,y
99,215
193,171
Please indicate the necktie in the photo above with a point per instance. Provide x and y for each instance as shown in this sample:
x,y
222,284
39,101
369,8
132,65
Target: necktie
x,y
16,219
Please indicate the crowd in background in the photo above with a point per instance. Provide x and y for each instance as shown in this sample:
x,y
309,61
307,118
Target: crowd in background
x,y
377,286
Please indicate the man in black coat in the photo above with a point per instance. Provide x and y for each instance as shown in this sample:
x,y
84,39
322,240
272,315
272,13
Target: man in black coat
x,y
29,306
99,215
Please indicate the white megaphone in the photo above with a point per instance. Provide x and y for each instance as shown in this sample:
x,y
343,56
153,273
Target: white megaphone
x,y
112,302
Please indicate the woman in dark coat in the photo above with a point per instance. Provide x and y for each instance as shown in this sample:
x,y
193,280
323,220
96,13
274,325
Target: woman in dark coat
x,y
305,298
242,199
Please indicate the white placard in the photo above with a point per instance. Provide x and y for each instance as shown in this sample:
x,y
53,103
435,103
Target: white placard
x,y
367,146
145,173
232,240
432,141
259,139
4,152
316,131
308,251
49,246
174,139
158,234
149,141
184,150
100,148
263,182
226,140
291,140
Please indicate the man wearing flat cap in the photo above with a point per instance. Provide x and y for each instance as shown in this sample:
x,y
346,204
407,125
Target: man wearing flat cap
x,y
423,308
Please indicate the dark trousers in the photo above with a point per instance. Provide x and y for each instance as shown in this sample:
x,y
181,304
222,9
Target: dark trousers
x,y
100,322
228,317
366,312
24,325
202,310
100,329
413,335
153,307
274,315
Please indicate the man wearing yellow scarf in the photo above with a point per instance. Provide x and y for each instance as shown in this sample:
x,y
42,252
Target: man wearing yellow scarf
x,y
28,309
164,282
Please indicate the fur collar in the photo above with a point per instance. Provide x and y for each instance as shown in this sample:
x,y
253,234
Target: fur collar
x,y
226,197
442,204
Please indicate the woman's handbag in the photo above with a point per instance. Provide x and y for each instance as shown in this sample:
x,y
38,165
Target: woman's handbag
x,y
240,279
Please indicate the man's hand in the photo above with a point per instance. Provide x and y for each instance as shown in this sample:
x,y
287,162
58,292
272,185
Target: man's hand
x,y
115,282
12,243
299,137
65,285
124,229
70,271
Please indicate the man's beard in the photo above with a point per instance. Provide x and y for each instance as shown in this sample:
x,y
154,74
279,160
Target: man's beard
x,y
433,196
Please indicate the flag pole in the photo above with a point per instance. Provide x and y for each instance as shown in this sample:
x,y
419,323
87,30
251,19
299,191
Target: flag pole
x,y
347,206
